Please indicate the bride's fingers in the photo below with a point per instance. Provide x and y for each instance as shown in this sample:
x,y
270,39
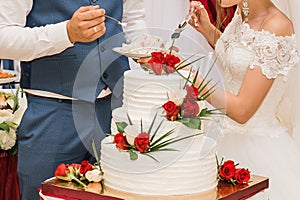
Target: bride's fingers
x,y
198,9
194,21
143,60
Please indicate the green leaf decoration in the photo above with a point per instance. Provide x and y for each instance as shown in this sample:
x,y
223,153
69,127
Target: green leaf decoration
x,y
129,120
133,155
155,132
174,140
16,100
11,124
4,126
181,65
13,150
64,178
188,78
96,153
150,156
121,126
152,123
194,123
162,137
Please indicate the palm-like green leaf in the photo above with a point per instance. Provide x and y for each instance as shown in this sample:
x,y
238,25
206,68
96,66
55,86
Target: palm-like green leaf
x,y
181,65
16,100
148,154
96,153
155,132
152,123
129,120
173,140
162,137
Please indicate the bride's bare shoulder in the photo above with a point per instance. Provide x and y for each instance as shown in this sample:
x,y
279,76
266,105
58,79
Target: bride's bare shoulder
x,y
279,24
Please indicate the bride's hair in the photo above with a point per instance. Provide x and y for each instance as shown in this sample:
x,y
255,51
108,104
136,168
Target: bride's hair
x,y
223,15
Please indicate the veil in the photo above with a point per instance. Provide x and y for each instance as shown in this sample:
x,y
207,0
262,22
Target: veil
x,y
289,110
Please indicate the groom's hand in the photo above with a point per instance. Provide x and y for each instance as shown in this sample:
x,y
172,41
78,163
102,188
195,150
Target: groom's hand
x,y
87,24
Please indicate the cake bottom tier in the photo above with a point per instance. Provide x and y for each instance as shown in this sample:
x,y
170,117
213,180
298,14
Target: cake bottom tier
x,y
191,171
205,195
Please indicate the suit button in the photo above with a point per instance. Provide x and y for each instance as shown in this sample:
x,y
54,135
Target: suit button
x,y
102,49
94,1
105,75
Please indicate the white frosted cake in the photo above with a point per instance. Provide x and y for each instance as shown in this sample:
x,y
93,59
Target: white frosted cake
x,y
190,170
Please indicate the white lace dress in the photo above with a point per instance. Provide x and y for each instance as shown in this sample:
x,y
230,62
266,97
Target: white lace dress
x,y
263,144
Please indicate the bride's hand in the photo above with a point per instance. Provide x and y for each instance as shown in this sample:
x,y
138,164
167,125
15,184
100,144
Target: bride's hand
x,y
199,17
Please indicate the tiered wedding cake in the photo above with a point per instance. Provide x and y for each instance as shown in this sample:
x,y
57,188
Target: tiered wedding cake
x,y
190,170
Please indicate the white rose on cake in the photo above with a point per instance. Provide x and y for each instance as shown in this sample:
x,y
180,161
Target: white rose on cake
x,y
94,175
131,131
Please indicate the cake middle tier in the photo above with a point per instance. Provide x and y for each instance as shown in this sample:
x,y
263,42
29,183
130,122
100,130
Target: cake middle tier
x,y
144,93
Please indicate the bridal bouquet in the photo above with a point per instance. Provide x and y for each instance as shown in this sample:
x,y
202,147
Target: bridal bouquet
x,y
10,117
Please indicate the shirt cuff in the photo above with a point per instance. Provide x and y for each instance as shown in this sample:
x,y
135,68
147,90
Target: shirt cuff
x,y
59,36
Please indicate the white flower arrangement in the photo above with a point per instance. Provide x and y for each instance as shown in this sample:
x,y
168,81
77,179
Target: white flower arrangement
x,y
10,117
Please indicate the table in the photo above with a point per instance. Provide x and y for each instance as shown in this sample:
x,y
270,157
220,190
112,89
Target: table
x,y
52,190
9,184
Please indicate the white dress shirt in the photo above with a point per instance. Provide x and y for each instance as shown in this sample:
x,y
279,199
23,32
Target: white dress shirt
x,y
26,44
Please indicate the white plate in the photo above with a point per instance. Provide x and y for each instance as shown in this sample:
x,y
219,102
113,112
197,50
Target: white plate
x,y
136,53
9,80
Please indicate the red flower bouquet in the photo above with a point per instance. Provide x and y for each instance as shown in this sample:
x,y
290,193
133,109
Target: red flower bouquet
x,y
83,173
228,172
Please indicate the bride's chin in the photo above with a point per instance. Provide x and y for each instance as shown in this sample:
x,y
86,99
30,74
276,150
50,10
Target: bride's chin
x,y
228,3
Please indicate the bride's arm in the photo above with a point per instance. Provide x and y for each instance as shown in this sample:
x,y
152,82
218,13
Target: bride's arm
x,y
240,107
200,21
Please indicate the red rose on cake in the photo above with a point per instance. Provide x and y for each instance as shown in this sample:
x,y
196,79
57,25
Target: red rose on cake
x,y
170,63
191,92
160,62
172,110
187,108
120,141
142,142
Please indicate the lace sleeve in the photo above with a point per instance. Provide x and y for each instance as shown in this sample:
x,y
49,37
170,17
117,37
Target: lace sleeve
x,y
274,54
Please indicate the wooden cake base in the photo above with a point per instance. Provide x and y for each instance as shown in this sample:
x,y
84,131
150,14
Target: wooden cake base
x,y
224,191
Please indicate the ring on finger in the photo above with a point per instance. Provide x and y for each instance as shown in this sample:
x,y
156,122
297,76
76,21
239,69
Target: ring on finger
x,y
95,29
197,3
